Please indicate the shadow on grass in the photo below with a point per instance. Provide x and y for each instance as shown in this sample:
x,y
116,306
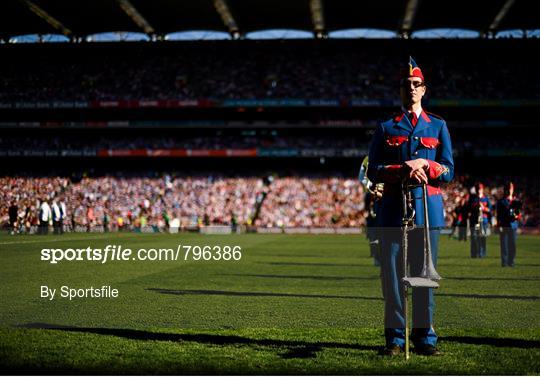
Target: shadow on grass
x,y
311,277
472,265
292,348
495,342
298,255
208,292
497,297
312,264
489,279
205,292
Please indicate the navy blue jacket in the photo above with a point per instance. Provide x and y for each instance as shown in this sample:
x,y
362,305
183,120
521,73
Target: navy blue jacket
x,y
396,141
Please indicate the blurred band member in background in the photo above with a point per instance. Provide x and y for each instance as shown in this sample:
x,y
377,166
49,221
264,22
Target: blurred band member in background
x,y
479,218
508,219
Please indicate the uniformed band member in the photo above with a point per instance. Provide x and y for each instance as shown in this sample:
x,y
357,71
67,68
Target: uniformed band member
x,y
508,218
479,218
370,204
412,146
462,219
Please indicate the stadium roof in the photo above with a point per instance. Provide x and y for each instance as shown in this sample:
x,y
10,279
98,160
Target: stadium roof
x,y
80,18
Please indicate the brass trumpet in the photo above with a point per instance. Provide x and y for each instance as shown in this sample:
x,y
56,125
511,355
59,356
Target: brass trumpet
x,y
374,189
429,277
480,223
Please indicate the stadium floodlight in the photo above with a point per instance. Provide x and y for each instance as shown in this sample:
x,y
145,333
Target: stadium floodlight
x,y
317,16
408,17
136,16
41,13
227,18
500,15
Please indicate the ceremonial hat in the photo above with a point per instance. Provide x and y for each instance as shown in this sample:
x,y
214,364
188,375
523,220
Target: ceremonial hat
x,y
413,70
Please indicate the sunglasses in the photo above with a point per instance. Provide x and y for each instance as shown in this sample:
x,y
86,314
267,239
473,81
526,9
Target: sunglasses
x,y
415,84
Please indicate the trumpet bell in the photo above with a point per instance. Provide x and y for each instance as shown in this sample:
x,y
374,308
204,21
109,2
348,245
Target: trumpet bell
x,y
429,272
374,189
362,175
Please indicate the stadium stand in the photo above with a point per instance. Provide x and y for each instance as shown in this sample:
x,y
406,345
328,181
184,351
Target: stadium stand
x,y
316,70
133,135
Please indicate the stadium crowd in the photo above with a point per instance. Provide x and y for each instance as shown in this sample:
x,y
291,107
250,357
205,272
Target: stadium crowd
x,y
67,145
77,143
255,74
157,203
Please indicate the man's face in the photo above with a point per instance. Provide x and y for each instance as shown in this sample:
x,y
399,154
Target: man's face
x,y
412,90
480,190
509,189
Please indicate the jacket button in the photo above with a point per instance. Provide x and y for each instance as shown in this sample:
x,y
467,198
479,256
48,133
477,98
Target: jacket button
x,y
416,153
416,138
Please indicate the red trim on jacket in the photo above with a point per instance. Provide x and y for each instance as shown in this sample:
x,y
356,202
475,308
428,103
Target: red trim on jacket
x,y
429,142
425,116
399,117
396,141
435,169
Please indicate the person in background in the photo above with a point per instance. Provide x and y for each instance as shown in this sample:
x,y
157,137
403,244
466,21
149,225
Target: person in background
x,y
234,223
105,221
462,219
479,209
44,217
89,218
56,216
508,219
13,212
63,214
454,222
370,205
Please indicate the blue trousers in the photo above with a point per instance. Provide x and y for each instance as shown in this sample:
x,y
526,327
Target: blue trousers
x,y
422,298
508,246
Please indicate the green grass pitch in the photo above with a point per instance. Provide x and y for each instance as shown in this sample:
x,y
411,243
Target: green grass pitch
x,y
294,304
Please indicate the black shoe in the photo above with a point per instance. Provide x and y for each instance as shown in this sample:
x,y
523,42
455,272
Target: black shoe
x,y
427,350
391,350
